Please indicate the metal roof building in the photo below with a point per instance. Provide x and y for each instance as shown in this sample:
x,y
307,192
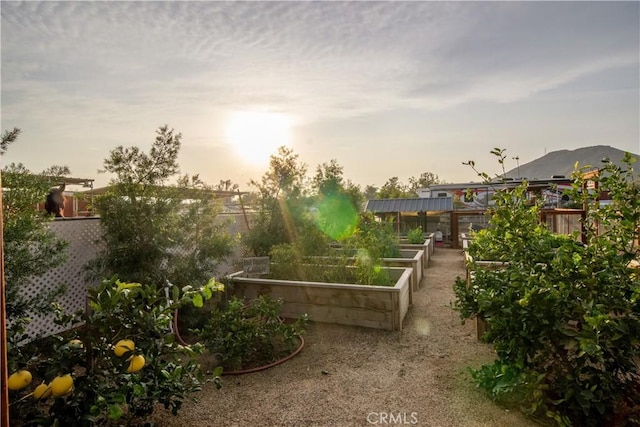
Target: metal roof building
x,y
436,204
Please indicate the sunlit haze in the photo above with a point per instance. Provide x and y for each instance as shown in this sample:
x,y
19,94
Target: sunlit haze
x,y
388,89
255,135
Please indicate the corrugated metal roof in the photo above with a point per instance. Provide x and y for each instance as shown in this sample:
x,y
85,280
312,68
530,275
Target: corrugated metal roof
x,y
411,205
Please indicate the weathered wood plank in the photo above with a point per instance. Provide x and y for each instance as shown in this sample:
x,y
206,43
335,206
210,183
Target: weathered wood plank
x,y
382,307
374,301
424,247
410,259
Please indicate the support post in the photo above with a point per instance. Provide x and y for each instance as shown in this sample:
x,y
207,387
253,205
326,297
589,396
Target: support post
x,y
454,230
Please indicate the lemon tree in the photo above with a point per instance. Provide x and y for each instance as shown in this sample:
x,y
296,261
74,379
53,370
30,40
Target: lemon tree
x,y
119,365
563,315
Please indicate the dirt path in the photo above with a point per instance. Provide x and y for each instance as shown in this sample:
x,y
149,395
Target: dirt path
x,y
352,376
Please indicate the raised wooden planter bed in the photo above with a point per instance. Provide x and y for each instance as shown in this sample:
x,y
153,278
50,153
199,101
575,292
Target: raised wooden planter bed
x,y
427,247
413,259
380,307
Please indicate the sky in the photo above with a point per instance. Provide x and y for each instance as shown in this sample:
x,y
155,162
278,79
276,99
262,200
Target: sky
x,y
387,89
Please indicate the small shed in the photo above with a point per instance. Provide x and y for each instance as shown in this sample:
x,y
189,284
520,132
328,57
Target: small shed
x,y
408,214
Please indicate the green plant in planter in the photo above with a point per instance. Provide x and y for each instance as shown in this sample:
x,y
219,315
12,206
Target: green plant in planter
x,y
370,272
377,238
415,236
246,335
372,241
119,364
289,264
563,316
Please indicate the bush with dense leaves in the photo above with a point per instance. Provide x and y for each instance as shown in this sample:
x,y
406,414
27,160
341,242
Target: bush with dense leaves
x,y
154,231
245,335
564,317
415,236
104,389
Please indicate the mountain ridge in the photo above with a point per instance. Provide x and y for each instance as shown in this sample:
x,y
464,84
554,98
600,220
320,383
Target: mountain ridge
x,y
561,162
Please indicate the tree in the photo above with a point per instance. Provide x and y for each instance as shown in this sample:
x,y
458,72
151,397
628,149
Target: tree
x,y
337,202
425,180
153,231
8,138
370,192
396,189
393,189
150,236
227,185
354,194
30,247
135,168
279,202
328,178
563,316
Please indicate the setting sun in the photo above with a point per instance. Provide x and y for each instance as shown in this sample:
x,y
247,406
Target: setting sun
x,y
255,136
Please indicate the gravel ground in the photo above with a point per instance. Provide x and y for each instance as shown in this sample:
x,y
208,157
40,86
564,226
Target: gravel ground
x,y
353,376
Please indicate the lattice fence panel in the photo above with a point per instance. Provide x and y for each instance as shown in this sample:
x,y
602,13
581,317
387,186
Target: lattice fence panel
x,y
82,234
236,226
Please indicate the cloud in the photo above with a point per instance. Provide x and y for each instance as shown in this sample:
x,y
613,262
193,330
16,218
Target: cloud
x,y
349,58
131,65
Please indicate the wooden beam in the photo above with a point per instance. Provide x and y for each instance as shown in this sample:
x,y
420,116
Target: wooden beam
x,y
454,230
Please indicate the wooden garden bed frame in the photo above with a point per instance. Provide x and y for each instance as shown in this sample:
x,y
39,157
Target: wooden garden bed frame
x,y
380,307
427,247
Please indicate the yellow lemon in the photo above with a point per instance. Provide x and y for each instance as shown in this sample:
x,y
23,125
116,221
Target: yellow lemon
x,y
123,346
76,344
19,380
61,385
136,363
42,391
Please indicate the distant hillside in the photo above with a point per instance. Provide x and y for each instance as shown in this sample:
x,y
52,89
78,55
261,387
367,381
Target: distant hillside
x,y
562,162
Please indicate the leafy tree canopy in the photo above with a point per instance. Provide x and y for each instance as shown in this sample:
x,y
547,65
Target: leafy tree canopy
x,y
396,189
151,234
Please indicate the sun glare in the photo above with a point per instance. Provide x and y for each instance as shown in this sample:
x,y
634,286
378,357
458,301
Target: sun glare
x,y
255,136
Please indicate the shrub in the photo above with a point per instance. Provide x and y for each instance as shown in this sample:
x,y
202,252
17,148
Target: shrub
x,y
562,315
105,388
377,238
415,236
246,335
153,231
